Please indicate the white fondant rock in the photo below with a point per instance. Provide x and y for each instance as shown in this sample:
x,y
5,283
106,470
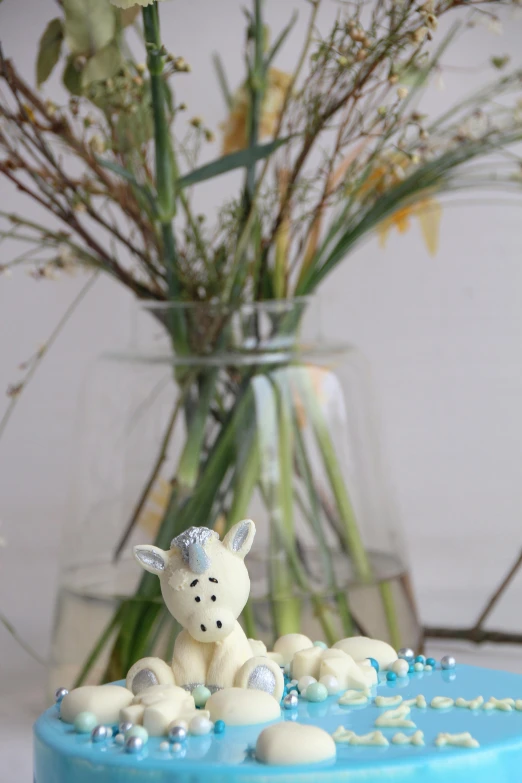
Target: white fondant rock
x,y
362,647
257,646
132,714
307,661
276,658
290,643
161,705
159,693
105,701
294,743
242,707
349,674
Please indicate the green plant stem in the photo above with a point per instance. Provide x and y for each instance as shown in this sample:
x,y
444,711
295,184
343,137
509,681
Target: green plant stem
x,y
257,89
249,620
152,478
96,651
164,162
350,529
390,612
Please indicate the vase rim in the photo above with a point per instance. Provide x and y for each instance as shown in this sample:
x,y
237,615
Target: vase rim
x,y
263,304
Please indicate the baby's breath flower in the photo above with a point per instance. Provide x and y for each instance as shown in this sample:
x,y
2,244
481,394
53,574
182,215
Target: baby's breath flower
x,y
402,92
196,122
97,144
419,34
432,22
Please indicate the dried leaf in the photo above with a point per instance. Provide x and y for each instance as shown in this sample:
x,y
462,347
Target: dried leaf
x,y
129,15
429,213
49,50
103,65
90,25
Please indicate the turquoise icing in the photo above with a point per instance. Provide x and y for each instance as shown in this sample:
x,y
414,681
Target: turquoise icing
x,y
62,756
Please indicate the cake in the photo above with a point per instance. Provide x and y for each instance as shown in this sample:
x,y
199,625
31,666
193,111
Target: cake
x,y
227,709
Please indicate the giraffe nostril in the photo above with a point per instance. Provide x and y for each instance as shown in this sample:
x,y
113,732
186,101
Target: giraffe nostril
x,y
212,597
219,623
197,599
203,628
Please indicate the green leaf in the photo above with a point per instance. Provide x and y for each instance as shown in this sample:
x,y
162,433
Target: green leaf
x,y
237,160
72,77
102,65
49,50
280,40
222,79
89,25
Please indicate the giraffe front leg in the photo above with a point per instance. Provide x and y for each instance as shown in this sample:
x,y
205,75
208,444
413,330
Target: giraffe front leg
x,y
261,674
148,672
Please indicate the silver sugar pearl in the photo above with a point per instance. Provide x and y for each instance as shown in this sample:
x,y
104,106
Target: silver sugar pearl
x,y
178,734
125,726
448,662
407,654
291,701
134,745
60,694
100,733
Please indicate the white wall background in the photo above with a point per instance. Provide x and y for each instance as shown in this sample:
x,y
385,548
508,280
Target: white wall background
x,y
444,337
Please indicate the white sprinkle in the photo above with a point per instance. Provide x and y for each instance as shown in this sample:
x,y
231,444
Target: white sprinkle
x,y
388,701
464,740
402,739
441,702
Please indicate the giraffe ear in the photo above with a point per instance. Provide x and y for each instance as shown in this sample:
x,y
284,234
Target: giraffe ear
x,y
239,538
151,558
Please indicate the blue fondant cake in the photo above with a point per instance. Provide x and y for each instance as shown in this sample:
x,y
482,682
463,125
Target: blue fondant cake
x,y
228,755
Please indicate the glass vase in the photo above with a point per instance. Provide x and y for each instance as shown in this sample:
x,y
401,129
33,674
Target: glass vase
x,y
213,415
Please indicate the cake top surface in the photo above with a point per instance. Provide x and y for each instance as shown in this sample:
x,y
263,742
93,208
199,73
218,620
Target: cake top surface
x,y
494,753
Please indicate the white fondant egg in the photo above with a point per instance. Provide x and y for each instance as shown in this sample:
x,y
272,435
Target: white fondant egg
x,y
362,647
291,743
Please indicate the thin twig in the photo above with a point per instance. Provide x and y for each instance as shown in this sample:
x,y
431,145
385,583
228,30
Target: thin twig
x,y
475,635
498,593
28,649
38,358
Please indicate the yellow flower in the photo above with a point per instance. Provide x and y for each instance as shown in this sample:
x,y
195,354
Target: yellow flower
x,y
426,209
235,128
129,3
155,507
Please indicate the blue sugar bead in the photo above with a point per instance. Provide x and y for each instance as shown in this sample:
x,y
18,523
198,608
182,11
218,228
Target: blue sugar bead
x,y
420,659
374,663
391,676
412,668
431,662
219,727
322,645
